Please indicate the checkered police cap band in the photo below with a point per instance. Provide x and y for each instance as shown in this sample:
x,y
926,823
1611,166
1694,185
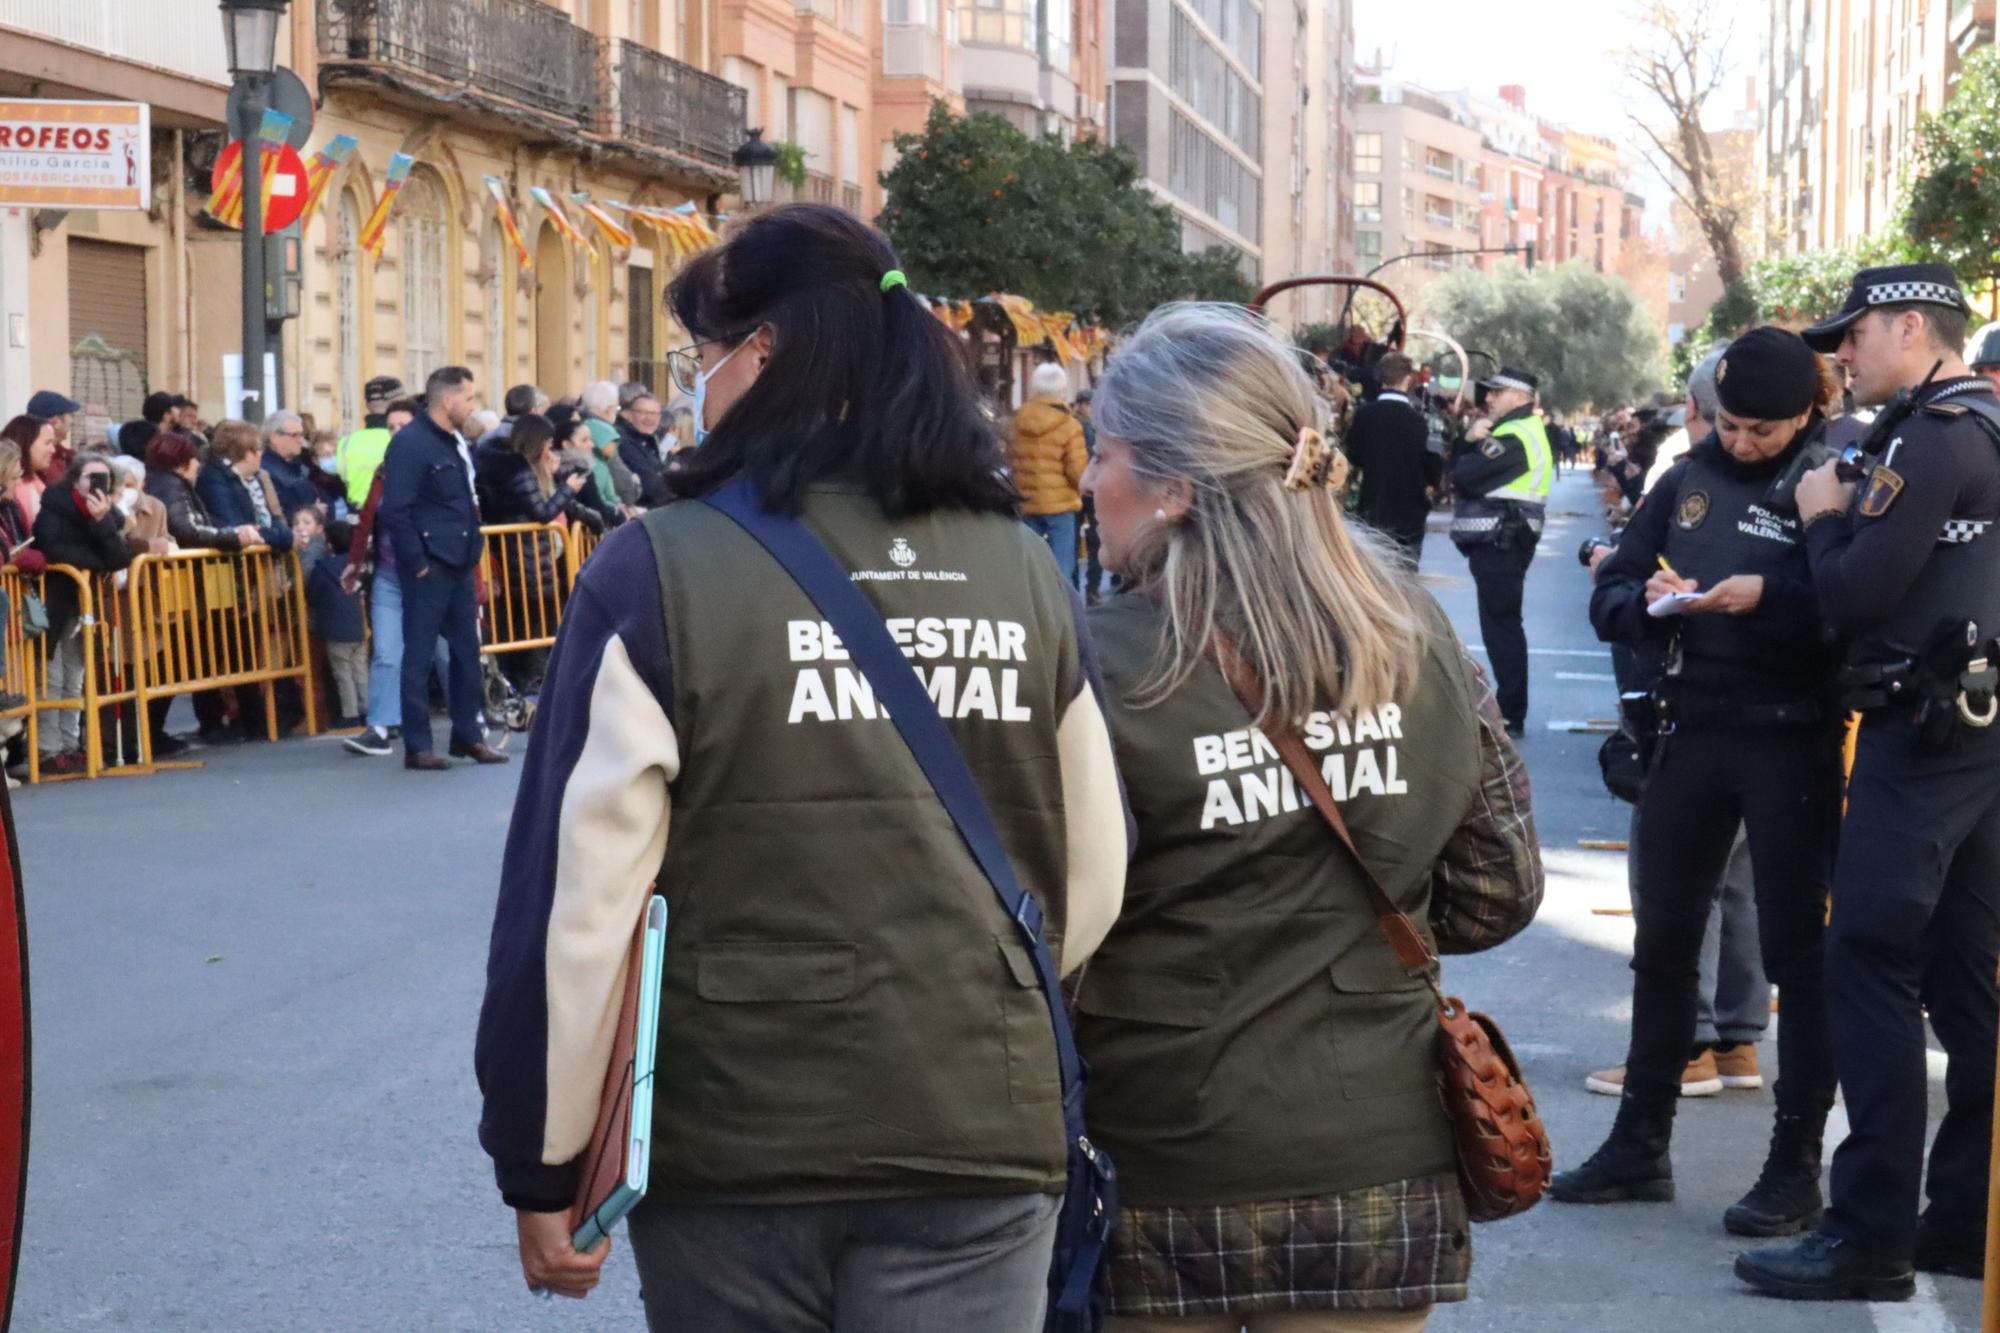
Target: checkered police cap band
x,y
1897,293
1509,382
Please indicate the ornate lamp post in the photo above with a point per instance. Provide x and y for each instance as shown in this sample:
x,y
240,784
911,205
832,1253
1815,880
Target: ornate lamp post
x,y
756,166
250,27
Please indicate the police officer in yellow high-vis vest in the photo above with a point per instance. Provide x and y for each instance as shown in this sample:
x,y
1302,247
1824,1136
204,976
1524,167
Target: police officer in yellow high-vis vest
x,y
1502,477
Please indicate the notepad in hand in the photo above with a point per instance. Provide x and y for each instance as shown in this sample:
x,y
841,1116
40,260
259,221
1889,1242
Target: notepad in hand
x,y
620,1151
1673,604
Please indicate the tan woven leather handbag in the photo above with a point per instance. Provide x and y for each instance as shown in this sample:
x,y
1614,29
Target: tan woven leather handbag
x,y
1503,1147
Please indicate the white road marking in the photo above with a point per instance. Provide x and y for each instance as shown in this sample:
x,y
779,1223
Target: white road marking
x,y
1922,1313
1586,675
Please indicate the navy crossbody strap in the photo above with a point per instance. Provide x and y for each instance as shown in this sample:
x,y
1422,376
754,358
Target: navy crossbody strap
x,y
899,690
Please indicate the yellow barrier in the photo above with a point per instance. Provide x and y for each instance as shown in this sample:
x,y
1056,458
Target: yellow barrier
x,y
526,585
24,671
201,620
582,542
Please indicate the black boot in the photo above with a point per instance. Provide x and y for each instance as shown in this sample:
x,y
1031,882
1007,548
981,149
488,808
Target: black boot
x,y
1786,1199
1953,1250
1633,1163
1820,1267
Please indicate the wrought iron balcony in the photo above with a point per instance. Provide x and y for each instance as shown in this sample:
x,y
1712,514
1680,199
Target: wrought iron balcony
x,y
662,103
520,53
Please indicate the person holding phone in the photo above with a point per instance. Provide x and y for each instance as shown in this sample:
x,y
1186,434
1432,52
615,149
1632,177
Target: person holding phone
x,y
81,527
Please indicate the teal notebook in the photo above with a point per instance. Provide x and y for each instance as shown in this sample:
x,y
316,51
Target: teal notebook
x,y
620,1152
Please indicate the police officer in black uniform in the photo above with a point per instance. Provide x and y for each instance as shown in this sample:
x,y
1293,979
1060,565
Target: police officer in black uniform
x,y
1747,733
1502,476
1906,561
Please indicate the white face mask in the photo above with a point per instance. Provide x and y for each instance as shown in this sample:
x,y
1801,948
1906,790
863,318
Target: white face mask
x,y
126,499
701,428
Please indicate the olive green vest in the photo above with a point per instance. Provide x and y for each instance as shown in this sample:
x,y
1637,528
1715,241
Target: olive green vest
x,y
846,1011
1250,1036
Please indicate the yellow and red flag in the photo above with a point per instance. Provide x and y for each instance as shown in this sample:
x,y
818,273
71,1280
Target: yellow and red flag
x,y
504,210
225,204
320,169
560,220
375,232
683,229
613,231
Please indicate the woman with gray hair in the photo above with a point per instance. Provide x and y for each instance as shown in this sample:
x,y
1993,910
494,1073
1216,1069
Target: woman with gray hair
x,y
1263,1067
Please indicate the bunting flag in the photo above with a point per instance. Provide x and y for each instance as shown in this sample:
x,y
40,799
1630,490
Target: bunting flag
x,y
682,228
1021,314
375,234
504,210
560,220
1055,327
613,231
225,205
320,169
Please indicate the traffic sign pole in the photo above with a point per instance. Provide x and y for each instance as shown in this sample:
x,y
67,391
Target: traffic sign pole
x,y
253,406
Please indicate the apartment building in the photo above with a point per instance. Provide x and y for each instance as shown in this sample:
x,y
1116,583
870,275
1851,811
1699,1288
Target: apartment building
x,y
1418,161
1308,145
610,101
1845,83
810,72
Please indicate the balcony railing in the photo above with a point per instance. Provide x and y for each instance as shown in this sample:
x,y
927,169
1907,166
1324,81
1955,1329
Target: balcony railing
x,y
850,199
819,188
663,103
912,51
522,51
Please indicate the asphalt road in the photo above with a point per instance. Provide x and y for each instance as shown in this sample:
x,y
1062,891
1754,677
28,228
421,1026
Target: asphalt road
x,y
255,987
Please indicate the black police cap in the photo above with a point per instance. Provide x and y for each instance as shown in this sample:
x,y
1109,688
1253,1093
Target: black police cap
x,y
1768,374
1510,377
1892,284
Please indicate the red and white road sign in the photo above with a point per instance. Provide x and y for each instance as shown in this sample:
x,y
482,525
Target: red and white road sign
x,y
286,188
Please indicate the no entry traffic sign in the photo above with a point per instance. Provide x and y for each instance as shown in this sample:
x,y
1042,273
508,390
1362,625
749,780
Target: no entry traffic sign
x,y
284,183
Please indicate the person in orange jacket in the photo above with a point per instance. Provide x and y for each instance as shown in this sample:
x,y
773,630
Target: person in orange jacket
x,y
1046,454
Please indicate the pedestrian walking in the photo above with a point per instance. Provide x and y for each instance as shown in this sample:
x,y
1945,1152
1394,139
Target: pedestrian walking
x,y
1909,570
1502,478
1389,444
857,1117
1046,454
1712,574
1263,1068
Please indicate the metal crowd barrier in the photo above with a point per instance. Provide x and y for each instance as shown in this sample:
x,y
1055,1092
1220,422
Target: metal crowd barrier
x,y
528,573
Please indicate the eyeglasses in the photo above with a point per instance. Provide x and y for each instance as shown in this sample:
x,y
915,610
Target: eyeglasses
x,y
684,365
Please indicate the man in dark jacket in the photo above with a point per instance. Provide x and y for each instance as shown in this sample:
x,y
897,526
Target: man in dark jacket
x,y
286,463
1389,441
428,514
80,527
639,443
134,436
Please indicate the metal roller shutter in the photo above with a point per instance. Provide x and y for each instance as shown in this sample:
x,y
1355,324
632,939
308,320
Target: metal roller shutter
x,y
107,332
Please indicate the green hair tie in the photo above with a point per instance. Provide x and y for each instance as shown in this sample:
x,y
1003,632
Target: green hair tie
x,y
893,279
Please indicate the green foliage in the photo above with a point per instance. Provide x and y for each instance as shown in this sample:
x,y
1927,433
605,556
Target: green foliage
x,y
1953,209
791,164
974,206
1305,335
1583,332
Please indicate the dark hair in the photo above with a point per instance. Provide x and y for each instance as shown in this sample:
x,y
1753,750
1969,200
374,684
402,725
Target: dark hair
x,y
172,450
520,400
564,419
859,380
444,379
409,405
1946,324
531,434
24,431
1644,450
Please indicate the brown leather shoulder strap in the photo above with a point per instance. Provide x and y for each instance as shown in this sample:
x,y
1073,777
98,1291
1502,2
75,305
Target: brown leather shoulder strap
x,y
1412,950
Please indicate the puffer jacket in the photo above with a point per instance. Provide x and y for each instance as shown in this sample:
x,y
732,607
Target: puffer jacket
x,y
188,521
1046,455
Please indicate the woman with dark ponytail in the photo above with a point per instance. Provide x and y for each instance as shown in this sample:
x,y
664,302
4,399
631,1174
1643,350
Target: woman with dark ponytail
x,y
857,1122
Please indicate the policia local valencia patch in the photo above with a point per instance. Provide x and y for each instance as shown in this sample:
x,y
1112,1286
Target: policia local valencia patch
x,y
1883,488
1693,511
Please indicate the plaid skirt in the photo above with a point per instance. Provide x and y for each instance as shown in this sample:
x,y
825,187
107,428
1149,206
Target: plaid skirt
x,y
1385,1247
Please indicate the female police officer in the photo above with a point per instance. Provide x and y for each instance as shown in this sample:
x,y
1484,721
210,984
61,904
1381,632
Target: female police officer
x,y
1263,1067
857,1123
1747,732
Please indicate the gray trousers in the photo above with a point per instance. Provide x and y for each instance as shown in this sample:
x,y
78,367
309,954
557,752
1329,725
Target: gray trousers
x,y
1733,1000
964,1265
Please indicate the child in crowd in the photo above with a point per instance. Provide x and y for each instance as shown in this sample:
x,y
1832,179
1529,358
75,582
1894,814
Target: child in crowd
x,y
336,616
326,475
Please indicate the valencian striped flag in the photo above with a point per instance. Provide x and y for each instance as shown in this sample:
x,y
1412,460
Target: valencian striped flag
x,y
225,205
375,233
504,210
682,228
560,220
320,169
607,224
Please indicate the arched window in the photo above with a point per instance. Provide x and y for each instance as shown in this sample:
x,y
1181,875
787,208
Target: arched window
x,y
347,311
425,215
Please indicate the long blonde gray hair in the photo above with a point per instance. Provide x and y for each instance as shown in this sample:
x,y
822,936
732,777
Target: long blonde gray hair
x,y
1318,610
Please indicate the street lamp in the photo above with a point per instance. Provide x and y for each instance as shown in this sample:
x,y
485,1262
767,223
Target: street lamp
x,y
756,166
250,29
